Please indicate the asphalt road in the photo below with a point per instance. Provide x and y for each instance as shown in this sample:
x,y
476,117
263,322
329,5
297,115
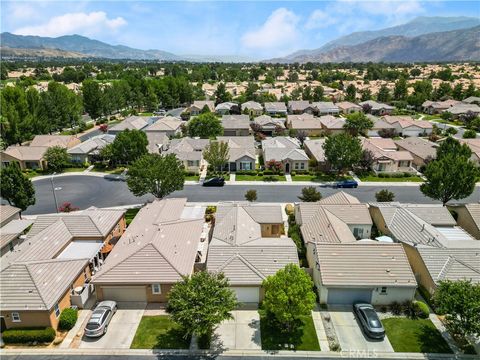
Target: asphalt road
x,y
85,191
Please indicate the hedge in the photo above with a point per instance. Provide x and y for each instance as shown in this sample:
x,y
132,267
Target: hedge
x,y
68,318
421,309
29,335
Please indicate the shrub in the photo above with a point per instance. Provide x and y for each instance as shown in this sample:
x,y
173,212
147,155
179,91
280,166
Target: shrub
x,y
293,173
289,209
270,178
28,335
68,318
396,308
470,134
267,172
211,209
421,309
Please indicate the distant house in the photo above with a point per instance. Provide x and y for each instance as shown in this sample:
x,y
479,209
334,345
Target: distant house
x,y
157,142
379,126
422,150
378,108
314,149
268,125
275,108
169,125
305,122
131,123
89,150
189,151
474,145
407,126
300,107
462,109
248,245
326,108
253,108
437,107
347,107
197,107
236,125
11,228
472,100
285,150
64,141
331,124
242,155
386,158
227,108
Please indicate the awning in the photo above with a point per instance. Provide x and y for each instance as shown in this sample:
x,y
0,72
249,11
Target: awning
x,y
81,249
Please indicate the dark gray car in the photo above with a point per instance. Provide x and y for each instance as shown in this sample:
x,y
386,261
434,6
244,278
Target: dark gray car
x,y
98,323
369,320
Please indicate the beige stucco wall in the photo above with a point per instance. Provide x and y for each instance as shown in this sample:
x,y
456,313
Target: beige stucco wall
x,y
267,230
422,275
465,220
378,220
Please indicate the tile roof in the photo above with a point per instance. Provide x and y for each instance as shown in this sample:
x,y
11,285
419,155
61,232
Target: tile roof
x,y
299,105
92,145
474,210
7,211
131,123
304,122
316,148
236,122
407,121
188,148
157,141
12,230
340,197
345,105
265,120
418,147
375,146
252,105
326,106
275,106
239,146
167,123
53,140
331,122
26,153
376,105
364,264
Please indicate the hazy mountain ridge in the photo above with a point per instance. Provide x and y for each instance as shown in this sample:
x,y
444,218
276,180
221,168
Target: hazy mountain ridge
x,y
39,53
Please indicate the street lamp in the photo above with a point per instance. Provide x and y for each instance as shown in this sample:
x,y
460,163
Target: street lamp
x,y
53,191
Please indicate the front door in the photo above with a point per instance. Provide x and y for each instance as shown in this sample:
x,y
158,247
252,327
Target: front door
x,y
287,168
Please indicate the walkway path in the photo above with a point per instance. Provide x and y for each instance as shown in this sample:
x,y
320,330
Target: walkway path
x,y
321,334
288,177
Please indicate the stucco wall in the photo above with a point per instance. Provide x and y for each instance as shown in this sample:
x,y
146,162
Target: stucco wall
x,y
422,275
465,220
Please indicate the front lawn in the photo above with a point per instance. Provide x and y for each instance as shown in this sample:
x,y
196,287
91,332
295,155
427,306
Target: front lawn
x,y
130,214
108,170
259,178
320,177
159,332
274,338
192,177
373,178
74,169
415,335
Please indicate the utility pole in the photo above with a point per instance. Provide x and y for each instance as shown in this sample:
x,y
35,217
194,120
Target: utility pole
x,y
53,191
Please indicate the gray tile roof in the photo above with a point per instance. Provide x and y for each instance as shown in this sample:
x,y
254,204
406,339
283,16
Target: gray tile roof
x,y
188,148
474,210
364,264
131,123
316,148
275,107
268,121
7,211
252,105
324,227
164,124
418,146
92,145
236,122
239,146
339,198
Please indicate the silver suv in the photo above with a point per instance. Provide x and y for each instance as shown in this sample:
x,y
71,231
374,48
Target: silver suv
x,y
98,323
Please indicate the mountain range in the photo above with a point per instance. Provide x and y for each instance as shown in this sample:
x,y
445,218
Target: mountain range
x,y
422,39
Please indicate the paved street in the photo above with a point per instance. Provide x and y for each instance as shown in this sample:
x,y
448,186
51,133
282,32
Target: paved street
x,y
84,191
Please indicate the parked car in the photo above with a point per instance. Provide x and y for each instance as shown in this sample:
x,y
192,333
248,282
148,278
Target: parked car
x,y
117,177
161,112
345,184
215,181
369,320
98,323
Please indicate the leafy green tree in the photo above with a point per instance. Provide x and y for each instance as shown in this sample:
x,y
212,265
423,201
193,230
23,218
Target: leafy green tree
x,y
365,95
92,98
57,158
357,123
342,151
310,194
205,126
251,195
383,94
128,146
221,94
351,93
216,154
289,296
460,301
385,196
318,92
156,174
452,175
201,302
16,188
400,91
457,92
415,72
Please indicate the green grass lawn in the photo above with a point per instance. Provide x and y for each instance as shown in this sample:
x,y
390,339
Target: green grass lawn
x,y
419,335
192,177
303,338
258,178
130,214
145,114
74,169
115,171
159,332
374,178
320,178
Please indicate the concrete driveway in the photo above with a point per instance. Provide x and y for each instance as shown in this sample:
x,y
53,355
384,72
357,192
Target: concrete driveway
x,y
240,333
349,333
121,329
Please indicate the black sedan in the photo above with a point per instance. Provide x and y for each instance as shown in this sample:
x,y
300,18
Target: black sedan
x,y
345,184
368,318
215,181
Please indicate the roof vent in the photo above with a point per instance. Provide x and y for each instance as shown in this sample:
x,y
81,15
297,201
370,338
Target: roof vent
x,y
387,270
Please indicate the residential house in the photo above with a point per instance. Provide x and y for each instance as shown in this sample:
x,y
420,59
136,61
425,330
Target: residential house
x,y
468,217
8,213
227,108
380,127
300,107
386,157
472,100
346,107
326,108
305,122
275,108
51,270
378,108
236,125
197,107
64,141
131,123
248,245
474,145
27,157
331,124
89,150
12,228
269,125
314,149
287,151
253,108
463,109
366,270
241,152
189,151
437,107
421,150
407,126
157,142
169,125
164,242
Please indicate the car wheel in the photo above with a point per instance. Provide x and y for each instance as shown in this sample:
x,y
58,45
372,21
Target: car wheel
x,y
105,329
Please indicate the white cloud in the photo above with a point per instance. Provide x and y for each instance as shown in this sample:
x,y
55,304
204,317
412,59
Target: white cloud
x,y
279,31
74,23
393,10
320,19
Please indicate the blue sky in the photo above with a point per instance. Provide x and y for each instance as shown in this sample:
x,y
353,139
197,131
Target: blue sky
x,y
257,29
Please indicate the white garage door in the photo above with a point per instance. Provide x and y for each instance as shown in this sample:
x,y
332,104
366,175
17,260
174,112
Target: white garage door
x,y
247,294
348,296
124,293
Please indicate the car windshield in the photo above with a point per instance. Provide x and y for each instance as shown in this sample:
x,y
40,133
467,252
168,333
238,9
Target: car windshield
x,y
372,317
92,326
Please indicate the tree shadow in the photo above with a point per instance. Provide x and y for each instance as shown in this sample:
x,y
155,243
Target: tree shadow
x,y
173,338
431,341
275,336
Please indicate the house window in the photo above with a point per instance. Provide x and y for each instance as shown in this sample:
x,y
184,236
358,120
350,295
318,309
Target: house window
x,y
156,289
383,290
6,163
404,163
245,165
16,317
296,166
358,233
302,166
57,310
191,163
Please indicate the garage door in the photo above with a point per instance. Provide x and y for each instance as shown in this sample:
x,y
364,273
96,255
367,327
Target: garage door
x,y
124,293
247,294
348,296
